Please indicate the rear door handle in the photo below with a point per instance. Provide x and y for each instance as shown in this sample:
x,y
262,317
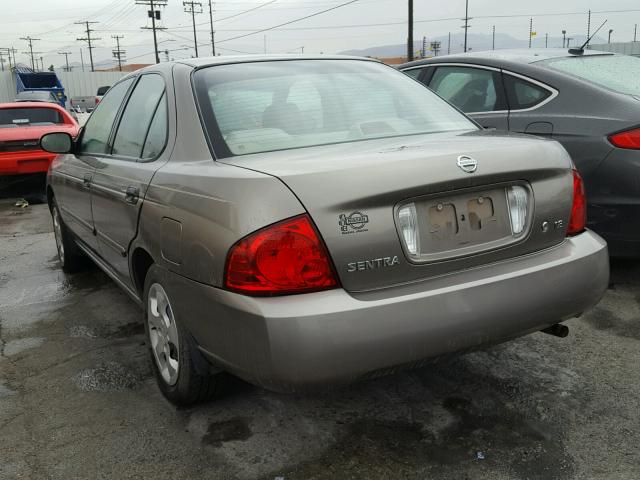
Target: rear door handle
x,y
86,180
132,194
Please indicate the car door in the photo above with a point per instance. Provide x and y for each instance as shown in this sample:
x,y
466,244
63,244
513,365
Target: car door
x,y
121,178
475,90
75,174
525,97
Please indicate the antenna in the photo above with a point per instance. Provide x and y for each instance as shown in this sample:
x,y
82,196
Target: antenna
x,y
580,51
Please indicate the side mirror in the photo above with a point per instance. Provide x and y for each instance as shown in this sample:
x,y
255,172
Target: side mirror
x,y
58,142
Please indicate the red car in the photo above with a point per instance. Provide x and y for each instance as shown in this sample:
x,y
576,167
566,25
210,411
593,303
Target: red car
x,y
21,126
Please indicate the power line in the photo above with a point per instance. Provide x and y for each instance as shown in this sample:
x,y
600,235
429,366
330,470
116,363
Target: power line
x,y
66,59
88,39
154,15
118,53
289,22
466,25
31,53
190,7
213,41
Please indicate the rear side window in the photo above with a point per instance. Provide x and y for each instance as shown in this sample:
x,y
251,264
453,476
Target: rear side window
x,y
620,73
157,135
470,89
137,116
522,94
413,72
96,132
29,117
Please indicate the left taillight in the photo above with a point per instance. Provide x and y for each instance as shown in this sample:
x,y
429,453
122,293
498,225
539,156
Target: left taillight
x,y
284,258
578,219
629,139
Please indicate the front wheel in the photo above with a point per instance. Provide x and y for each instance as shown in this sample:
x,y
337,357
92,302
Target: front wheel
x,y
69,254
182,374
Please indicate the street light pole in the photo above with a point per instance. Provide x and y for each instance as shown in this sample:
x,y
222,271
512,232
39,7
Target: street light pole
x,y
610,32
564,38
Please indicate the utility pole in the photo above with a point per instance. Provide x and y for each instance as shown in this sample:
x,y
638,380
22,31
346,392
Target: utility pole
x,y
81,60
564,38
30,41
635,32
154,15
118,53
2,61
466,23
423,52
410,32
8,50
588,27
213,34
435,48
88,39
530,30
66,59
42,64
190,7
493,38
546,40
449,45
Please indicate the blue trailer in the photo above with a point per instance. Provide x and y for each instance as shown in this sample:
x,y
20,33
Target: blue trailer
x,y
29,81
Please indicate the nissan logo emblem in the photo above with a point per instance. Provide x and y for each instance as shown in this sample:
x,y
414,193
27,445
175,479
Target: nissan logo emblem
x,y
467,164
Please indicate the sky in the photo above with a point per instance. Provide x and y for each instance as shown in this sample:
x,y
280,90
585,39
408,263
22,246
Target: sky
x,y
359,24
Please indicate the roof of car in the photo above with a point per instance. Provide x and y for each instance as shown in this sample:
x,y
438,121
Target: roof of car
x,y
519,55
205,61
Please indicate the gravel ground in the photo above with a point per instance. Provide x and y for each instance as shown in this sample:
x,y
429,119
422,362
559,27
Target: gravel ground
x,y
77,399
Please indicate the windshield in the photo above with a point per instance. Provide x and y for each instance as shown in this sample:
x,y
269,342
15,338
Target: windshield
x,y
620,73
29,117
266,106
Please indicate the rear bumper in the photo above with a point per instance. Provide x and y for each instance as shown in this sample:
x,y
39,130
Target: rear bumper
x,y
297,341
20,163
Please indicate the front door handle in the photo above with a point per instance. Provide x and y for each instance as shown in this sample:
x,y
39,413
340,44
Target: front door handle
x,y
86,180
132,194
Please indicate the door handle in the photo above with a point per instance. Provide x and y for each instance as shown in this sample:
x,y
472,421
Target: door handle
x,y
132,194
86,180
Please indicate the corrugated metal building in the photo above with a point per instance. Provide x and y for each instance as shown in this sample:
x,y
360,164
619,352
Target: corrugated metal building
x,y
625,48
76,84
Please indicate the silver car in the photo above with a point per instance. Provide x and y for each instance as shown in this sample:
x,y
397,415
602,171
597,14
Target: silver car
x,y
300,221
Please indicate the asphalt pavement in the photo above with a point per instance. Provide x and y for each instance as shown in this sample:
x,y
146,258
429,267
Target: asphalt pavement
x,y
78,401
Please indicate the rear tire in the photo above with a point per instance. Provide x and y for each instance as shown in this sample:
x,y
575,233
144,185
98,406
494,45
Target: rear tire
x,y
70,256
183,375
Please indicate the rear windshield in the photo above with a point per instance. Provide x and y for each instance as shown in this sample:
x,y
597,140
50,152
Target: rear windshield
x,y
29,117
619,73
267,106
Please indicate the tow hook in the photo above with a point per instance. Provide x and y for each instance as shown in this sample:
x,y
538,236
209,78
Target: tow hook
x,y
557,330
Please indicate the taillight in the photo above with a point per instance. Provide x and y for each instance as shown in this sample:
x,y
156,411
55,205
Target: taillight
x,y
578,219
629,139
283,258
97,100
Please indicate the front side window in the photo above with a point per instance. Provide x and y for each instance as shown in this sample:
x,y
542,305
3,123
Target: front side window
x,y
522,94
29,117
470,89
620,73
137,116
266,106
95,135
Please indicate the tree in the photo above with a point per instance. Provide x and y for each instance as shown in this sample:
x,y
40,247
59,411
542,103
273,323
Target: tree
x,y
51,69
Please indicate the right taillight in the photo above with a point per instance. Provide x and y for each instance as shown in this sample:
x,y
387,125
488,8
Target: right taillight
x,y
284,258
578,219
629,139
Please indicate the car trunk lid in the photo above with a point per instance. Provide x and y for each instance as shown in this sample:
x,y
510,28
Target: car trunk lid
x,y
354,193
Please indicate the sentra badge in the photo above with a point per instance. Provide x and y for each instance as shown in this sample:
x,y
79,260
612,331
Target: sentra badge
x,y
374,264
355,222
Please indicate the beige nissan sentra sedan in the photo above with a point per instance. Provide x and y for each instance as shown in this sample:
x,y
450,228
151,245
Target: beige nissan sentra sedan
x,y
300,221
